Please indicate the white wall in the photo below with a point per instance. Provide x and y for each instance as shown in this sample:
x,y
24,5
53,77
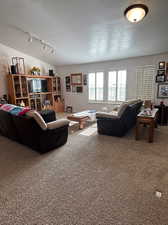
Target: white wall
x,y
80,101
6,55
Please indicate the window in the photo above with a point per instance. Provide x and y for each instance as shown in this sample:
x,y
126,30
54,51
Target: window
x,y
96,86
117,85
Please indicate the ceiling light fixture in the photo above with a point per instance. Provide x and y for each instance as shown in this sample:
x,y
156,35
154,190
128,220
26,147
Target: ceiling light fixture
x,y
45,45
135,13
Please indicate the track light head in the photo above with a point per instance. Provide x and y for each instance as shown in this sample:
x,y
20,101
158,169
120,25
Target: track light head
x,y
30,39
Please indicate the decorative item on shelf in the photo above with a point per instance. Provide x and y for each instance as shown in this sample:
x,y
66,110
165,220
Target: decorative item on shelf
x,y
162,65
58,104
68,83
51,73
13,69
148,104
18,65
4,99
35,71
162,91
162,103
69,109
22,104
76,79
85,77
47,105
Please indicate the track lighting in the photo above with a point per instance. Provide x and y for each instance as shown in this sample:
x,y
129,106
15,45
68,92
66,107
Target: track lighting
x,y
52,51
44,47
44,44
30,39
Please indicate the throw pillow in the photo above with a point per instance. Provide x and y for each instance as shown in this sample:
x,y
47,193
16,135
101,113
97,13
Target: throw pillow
x,y
38,118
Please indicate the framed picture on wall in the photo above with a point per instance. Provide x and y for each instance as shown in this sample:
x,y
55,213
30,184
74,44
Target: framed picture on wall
x,y
68,83
79,89
162,65
160,78
76,79
166,76
85,77
74,89
162,91
161,72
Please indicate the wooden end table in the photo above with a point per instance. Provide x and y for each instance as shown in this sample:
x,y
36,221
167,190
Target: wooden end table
x,y
150,121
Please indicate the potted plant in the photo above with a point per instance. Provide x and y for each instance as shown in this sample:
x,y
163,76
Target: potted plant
x,y
35,71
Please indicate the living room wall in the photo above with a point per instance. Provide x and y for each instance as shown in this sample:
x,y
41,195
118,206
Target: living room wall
x,y
6,54
80,101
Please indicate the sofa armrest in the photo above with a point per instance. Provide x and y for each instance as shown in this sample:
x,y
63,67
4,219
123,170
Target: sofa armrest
x,y
57,124
106,115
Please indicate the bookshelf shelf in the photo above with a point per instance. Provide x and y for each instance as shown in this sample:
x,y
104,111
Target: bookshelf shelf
x,y
18,91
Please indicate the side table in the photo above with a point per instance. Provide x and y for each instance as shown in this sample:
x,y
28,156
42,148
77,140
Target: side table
x,y
146,120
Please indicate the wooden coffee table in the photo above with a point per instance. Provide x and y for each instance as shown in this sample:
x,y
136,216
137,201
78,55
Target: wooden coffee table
x,y
82,120
81,117
145,120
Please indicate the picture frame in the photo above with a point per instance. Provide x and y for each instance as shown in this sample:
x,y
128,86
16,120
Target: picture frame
x,y
161,72
74,89
79,89
76,79
162,91
68,83
162,65
85,79
166,76
160,78
19,64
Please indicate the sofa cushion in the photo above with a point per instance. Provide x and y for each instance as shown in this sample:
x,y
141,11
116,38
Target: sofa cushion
x,y
38,118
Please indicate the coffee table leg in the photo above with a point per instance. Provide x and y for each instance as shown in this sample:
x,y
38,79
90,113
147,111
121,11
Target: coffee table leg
x,y
81,125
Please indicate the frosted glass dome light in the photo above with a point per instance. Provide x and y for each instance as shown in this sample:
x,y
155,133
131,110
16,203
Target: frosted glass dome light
x,y
136,13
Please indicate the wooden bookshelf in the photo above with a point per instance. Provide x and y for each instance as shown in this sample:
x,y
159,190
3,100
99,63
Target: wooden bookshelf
x,y
18,91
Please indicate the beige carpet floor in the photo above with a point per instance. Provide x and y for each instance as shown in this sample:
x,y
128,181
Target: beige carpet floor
x,y
94,180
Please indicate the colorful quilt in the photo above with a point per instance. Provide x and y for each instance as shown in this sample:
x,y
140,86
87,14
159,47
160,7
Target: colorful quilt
x,y
14,110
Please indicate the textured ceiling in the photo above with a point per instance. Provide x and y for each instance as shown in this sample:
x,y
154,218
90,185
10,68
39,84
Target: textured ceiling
x,y
83,31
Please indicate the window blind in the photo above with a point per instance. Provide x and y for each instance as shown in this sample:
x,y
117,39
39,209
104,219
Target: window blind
x,y
145,82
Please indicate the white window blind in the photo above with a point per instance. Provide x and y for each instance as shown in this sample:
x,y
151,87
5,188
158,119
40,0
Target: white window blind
x,y
145,82
96,86
117,85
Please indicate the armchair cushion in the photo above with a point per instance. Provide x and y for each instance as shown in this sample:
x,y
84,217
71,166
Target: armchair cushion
x,y
57,124
122,109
